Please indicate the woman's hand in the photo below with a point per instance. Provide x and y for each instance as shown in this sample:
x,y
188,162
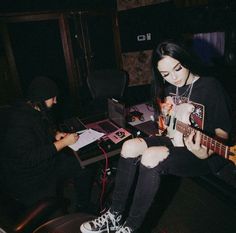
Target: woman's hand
x,y
166,106
166,109
193,144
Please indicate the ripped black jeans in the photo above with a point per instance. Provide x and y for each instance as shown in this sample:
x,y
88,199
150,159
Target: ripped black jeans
x,y
180,162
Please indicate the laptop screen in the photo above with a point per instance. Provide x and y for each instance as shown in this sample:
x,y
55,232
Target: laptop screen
x,y
72,125
117,113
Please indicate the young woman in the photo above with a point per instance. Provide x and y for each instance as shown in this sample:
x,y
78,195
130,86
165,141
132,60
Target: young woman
x,y
183,93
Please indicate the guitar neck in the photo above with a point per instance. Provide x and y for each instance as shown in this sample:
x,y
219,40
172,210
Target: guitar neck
x,y
207,141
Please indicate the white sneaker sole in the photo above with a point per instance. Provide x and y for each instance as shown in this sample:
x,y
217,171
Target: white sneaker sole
x,y
84,230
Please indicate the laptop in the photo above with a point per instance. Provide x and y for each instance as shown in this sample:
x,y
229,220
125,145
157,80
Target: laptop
x,y
72,125
116,118
148,128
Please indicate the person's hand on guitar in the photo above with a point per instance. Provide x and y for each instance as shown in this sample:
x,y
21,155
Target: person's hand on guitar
x,y
166,106
193,143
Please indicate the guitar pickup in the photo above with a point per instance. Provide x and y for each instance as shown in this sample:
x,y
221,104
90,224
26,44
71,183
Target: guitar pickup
x,y
174,123
167,120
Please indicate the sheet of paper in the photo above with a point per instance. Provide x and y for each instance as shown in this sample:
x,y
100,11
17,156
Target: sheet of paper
x,y
85,138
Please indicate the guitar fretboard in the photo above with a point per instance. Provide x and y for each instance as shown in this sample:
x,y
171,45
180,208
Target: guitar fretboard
x,y
207,141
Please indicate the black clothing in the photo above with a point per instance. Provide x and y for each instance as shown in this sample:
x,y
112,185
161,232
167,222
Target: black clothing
x,y
208,93
31,167
146,188
211,112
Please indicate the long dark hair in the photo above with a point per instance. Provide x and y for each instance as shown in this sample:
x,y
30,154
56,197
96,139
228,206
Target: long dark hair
x,y
177,51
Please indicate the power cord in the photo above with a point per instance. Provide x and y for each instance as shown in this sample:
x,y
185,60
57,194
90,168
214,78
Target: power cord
x,y
104,176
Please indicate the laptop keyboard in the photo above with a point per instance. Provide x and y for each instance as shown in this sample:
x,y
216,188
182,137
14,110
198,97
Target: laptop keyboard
x,y
107,126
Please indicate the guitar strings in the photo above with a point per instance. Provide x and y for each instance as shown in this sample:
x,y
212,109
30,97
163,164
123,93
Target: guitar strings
x,y
209,142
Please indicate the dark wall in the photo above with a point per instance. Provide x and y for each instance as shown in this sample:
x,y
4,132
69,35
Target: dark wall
x,y
142,28
38,5
37,48
166,20
161,20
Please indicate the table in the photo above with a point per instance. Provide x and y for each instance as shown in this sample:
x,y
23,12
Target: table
x,y
94,156
95,152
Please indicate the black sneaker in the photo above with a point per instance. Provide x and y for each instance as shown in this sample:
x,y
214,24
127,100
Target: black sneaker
x,y
125,229
105,223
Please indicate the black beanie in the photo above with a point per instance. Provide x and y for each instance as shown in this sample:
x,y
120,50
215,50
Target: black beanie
x,y
42,88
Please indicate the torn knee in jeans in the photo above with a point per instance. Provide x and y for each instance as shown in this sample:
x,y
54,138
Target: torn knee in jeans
x,y
133,148
154,155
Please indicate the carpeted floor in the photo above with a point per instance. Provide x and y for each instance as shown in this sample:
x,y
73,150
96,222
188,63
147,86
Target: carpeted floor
x,y
191,209
195,210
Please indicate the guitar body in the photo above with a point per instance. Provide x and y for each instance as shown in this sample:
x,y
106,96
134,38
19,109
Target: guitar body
x,y
179,125
181,113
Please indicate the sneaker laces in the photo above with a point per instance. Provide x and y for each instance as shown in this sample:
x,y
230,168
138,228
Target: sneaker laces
x,y
103,220
124,230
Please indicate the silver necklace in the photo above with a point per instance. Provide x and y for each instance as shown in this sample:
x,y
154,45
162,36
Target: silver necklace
x,y
185,96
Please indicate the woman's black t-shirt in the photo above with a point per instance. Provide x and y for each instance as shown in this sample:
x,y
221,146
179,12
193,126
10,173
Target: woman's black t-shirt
x,y
212,107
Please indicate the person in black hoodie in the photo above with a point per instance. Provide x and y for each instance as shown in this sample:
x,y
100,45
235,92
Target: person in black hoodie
x,y
33,163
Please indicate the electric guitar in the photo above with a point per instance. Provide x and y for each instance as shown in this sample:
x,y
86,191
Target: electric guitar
x,y
179,126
